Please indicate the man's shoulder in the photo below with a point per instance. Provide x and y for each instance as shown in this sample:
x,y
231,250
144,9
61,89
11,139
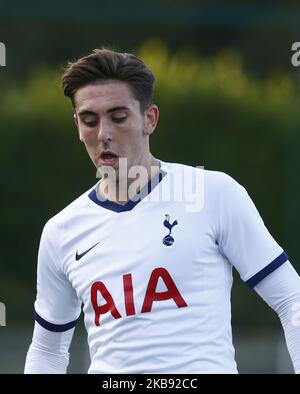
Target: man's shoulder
x,y
214,187
213,179
71,211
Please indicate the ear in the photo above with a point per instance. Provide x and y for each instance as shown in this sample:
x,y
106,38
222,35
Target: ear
x,y
75,117
151,119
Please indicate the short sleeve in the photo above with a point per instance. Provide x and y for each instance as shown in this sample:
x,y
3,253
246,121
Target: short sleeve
x,y
242,235
57,306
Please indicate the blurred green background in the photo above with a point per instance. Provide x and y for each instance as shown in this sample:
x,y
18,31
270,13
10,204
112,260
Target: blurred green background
x,y
229,100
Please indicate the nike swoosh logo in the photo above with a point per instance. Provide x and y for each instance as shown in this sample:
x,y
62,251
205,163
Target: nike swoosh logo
x,y
78,256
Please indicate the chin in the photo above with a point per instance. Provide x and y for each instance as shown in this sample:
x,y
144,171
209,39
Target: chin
x,y
102,170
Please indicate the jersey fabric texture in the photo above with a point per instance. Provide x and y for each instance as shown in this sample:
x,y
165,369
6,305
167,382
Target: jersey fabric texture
x,y
153,276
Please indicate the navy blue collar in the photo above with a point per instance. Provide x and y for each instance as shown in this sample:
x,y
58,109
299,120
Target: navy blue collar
x,y
113,206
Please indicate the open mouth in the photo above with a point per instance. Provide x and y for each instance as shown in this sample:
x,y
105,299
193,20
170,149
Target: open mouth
x,y
108,158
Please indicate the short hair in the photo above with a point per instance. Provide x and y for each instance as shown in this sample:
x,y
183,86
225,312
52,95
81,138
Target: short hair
x,y
105,64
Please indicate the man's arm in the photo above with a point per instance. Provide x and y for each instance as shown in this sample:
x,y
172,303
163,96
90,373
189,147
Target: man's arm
x,y
247,244
56,308
48,352
281,291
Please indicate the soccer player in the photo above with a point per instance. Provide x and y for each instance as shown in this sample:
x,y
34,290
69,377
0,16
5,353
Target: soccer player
x,y
151,266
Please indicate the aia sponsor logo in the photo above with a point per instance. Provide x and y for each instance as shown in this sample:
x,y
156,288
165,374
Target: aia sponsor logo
x,y
150,297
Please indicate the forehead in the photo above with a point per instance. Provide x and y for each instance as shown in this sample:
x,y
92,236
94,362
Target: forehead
x,y
103,96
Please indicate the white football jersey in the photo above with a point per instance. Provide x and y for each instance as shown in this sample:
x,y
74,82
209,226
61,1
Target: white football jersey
x,y
154,276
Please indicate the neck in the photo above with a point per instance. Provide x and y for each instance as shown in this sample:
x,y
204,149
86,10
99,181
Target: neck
x,y
124,188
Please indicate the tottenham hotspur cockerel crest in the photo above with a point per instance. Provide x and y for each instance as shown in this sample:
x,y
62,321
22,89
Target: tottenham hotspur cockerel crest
x,y
168,240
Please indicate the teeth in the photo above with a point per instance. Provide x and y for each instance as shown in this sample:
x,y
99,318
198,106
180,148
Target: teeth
x,y
109,156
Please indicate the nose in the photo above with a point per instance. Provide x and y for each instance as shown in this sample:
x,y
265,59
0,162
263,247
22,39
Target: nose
x,y
104,131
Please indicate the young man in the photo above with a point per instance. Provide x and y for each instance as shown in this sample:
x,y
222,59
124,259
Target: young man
x,y
152,271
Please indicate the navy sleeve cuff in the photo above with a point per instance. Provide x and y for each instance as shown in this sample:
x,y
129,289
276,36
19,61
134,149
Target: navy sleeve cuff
x,y
282,258
54,327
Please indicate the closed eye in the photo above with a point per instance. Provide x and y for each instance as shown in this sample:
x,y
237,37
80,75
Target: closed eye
x,y
91,123
119,119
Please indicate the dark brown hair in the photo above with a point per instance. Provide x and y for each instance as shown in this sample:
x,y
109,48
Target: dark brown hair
x,y
105,64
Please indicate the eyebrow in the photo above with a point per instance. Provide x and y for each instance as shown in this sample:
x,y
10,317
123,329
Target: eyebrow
x,y
119,108
85,112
